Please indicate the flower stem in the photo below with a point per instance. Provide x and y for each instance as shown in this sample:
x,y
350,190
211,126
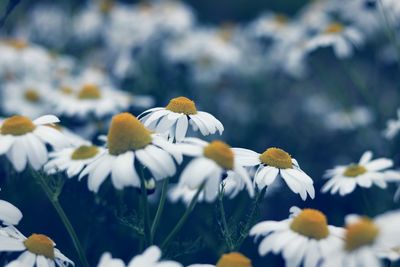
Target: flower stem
x,y
225,230
183,219
146,215
53,198
160,209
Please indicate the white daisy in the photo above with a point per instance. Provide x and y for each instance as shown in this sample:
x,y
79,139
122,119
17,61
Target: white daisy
x,y
36,250
212,162
305,237
128,140
24,140
9,214
175,118
275,162
233,259
365,173
392,127
367,240
149,258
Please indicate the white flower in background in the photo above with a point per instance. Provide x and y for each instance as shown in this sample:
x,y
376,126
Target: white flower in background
x,y
304,238
273,163
392,127
269,25
354,118
341,38
129,141
9,214
367,240
175,118
393,176
151,257
173,17
212,162
24,140
343,179
233,259
36,250
26,98
183,192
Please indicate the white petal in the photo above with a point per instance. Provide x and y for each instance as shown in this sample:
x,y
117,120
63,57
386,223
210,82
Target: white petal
x,y
9,214
46,119
181,128
6,142
365,158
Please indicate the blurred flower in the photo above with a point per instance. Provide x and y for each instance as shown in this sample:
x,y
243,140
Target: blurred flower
x,y
275,162
9,214
175,118
213,161
348,119
365,173
392,127
128,139
233,259
305,237
36,250
24,140
367,240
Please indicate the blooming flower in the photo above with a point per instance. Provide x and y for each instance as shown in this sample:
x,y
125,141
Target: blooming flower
x,y
24,140
392,127
128,140
276,162
212,162
305,237
175,118
367,240
36,250
233,259
365,173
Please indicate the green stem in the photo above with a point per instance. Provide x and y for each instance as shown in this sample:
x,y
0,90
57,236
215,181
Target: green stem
x,y
225,230
160,209
146,215
391,34
53,198
183,219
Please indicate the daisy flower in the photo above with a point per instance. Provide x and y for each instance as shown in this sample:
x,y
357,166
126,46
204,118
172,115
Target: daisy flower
x,y
305,237
368,240
175,118
36,250
150,258
365,173
233,259
275,162
392,127
129,140
213,161
9,214
24,140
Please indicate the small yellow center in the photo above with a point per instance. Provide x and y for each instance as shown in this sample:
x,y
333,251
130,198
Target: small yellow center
x,y
66,90
17,125
89,91
127,133
354,170
360,233
84,152
226,31
281,19
106,6
234,259
182,105
40,245
32,95
17,43
221,153
334,28
276,157
311,223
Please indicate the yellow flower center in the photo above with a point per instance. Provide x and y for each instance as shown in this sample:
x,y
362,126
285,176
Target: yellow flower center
x,y
354,170
32,95
182,105
221,153
106,6
17,43
234,259
311,223
127,133
276,157
281,19
40,245
66,90
360,233
226,31
17,125
334,28
89,91
84,152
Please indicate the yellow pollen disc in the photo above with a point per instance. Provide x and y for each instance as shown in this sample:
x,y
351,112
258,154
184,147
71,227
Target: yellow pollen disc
x,y
281,19
276,157
226,31
89,91
182,105
40,245
127,133
106,6
32,95
234,259
66,90
360,233
17,43
84,152
17,125
221,153
311,223
354,170
334,28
